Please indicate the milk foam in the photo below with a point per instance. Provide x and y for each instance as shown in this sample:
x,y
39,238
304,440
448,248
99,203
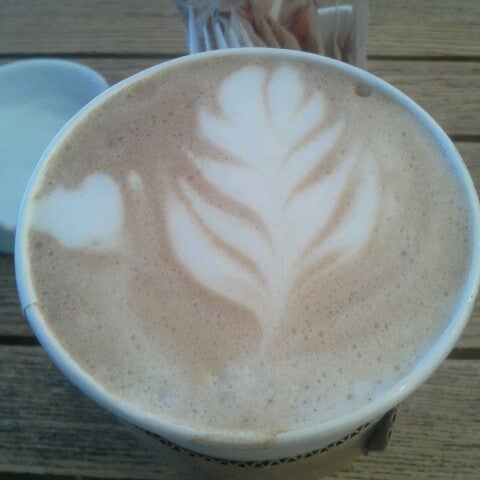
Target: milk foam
x,y
271,138
87,217
248,245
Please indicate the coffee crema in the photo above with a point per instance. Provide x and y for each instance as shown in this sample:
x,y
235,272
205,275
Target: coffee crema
x,y
247,244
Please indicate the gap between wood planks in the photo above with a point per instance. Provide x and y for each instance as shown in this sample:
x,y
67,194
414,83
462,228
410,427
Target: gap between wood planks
x,y
45,476
465,138
93,54
90,55
21,341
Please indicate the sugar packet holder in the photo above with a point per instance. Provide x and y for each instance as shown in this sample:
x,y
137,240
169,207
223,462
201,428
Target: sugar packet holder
x,y
330,28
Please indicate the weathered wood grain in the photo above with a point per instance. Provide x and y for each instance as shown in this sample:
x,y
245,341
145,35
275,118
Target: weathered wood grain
x,y
424,28
48,426
470,153
409,27
446,90
12,322
436,429
113,26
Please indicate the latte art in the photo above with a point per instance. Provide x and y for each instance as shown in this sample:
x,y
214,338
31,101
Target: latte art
x,y
246,244
287,230
88,217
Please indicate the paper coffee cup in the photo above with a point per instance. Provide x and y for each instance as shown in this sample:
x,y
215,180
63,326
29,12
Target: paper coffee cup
x,y
300,453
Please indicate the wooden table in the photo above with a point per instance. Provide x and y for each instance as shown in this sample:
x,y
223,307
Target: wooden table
x,y
48,429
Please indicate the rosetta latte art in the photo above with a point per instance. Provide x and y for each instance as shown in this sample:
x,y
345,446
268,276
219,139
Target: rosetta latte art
x,y
268,152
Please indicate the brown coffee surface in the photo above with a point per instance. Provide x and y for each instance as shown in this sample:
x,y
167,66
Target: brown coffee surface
x,y
247,244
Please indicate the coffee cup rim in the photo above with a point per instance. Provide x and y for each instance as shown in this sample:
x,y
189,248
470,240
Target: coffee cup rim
x,y
253,446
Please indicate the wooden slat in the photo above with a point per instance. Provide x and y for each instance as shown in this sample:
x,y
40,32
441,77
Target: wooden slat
x,y
450,100
471,336
447,90
113,26
424,28
48,426
12,323
409,27
437,432
116,69
470,153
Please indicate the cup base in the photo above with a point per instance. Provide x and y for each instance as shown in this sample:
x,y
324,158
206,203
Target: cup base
x,y
183,464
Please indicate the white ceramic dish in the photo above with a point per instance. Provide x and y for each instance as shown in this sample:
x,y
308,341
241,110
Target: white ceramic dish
x,y
37,98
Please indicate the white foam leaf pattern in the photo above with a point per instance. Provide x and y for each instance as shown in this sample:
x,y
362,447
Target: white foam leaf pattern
x,y
271,142
301,163
206,262
239,182
355,228
229,228
321,198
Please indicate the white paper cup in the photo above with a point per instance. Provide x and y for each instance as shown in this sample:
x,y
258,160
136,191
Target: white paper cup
x,y
301,453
